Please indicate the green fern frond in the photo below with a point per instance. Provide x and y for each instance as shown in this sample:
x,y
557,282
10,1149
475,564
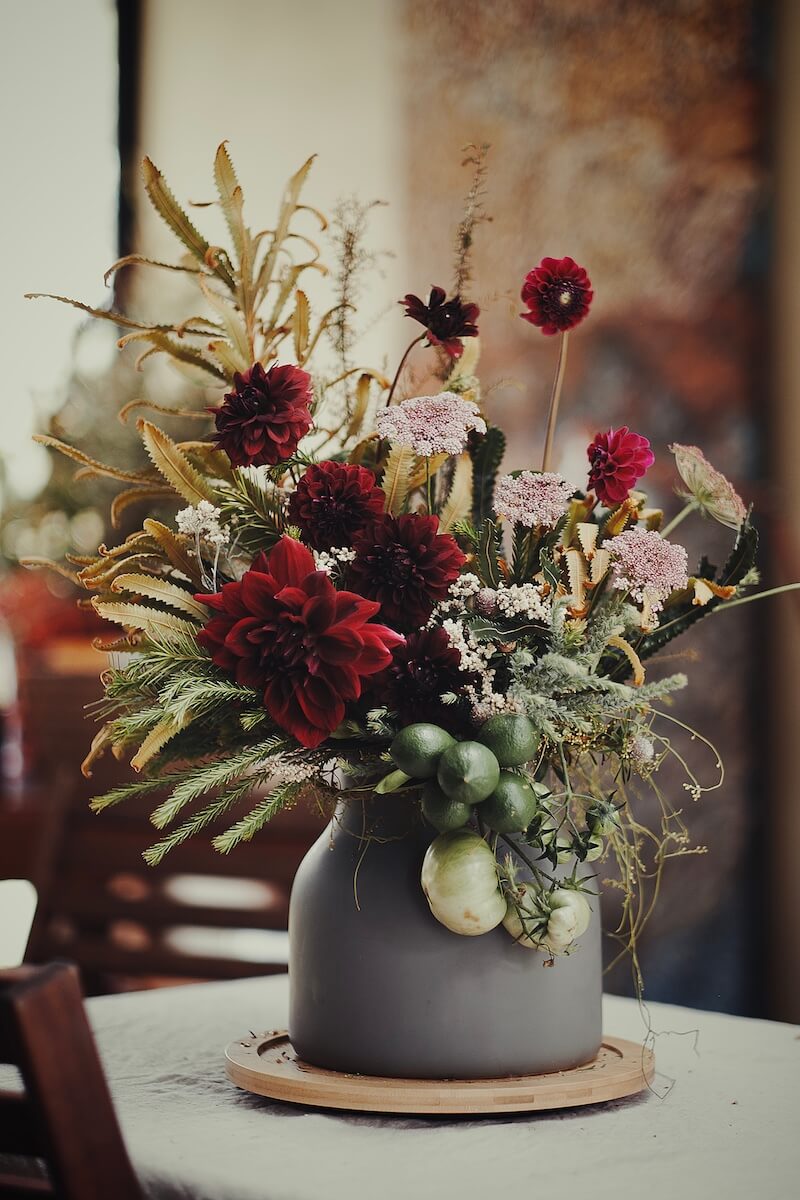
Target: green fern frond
x,y
245,829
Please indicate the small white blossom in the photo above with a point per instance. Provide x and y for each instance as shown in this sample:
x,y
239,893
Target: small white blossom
x,y
329,560
523,600
203,521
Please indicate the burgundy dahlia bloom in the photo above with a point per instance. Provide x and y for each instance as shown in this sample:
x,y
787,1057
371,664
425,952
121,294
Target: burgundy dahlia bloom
x,y
447,321
422,670
406,565
285,630
617,459
261,421
558,293
332,502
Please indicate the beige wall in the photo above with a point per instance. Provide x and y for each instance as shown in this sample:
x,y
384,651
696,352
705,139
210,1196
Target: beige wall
x,y
281,81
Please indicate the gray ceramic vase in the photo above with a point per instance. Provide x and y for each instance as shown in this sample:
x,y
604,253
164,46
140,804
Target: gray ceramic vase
x,y
379,987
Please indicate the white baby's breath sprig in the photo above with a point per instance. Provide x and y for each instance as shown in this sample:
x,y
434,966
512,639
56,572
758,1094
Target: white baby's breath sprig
x,y
204,522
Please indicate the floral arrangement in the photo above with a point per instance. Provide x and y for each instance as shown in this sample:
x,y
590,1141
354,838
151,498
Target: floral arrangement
x,y
351,597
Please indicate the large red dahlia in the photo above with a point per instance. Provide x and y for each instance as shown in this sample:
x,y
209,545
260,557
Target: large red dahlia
x,y
447,321
558,293
333,501
285,630
405,564
261,421
617,459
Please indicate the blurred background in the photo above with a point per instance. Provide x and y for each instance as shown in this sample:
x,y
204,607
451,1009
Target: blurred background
x,y
655,141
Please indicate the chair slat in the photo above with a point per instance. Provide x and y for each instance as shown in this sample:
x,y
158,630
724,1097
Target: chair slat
x,y
65,1085
22,1187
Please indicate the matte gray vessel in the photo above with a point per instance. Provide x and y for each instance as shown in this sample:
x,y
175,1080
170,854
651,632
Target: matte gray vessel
x,y
379,987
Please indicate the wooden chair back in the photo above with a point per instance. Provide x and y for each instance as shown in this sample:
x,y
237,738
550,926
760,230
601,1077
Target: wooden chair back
x,y
200,915
64,1116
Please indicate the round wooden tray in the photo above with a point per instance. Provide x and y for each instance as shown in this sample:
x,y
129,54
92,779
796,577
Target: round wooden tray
x,y
268,1066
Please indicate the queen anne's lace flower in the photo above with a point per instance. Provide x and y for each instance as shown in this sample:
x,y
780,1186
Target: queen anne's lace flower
x,y
431,424
532,499
646,565
715,496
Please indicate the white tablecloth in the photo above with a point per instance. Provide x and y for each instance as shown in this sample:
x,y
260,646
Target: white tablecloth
x,y
727,1127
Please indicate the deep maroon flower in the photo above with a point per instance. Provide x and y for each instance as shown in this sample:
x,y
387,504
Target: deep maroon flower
x,y
617,459
423,669
261,421
405,564
447,321
285,630
332,502
558,293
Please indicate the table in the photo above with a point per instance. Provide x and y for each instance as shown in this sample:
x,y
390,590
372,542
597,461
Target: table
x,y
726,1127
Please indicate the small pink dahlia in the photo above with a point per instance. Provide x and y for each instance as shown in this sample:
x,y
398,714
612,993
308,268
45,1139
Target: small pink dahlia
x,y
532,499
616,460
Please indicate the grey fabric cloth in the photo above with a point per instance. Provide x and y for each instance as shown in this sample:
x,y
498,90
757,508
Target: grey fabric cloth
x,y
725,1125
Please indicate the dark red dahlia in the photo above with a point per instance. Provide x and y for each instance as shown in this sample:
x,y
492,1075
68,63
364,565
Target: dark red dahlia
x,y
405,564
447,321
558,293
285,630
333,501
423,669
617,459
261,421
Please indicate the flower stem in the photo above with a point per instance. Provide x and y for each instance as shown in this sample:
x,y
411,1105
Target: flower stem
x,y
682,515
776,591
428,484
555,396
399,370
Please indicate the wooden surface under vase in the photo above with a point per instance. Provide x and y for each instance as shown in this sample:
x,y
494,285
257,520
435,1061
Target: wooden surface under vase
x,y
268,1066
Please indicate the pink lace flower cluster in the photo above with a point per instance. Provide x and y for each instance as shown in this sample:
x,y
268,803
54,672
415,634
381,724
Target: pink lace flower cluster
x,y
532,499
431,424
647,565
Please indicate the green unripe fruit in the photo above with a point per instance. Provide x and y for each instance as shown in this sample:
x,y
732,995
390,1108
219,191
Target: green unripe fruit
x,y
418,748
459,879
443,813
468,772
511,806
511,738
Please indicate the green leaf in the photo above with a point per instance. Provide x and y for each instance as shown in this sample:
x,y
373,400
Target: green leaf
x,y
486,459
288,209
245,829
179,222
397,478
493,631
231,198
549,569
391,782
459,498
159,589
141,616
173,464
488,552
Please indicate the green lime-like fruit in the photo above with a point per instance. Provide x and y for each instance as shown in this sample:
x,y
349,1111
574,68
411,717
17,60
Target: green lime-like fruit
x,y
418,748
511,806
468,772
511,738
443,813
